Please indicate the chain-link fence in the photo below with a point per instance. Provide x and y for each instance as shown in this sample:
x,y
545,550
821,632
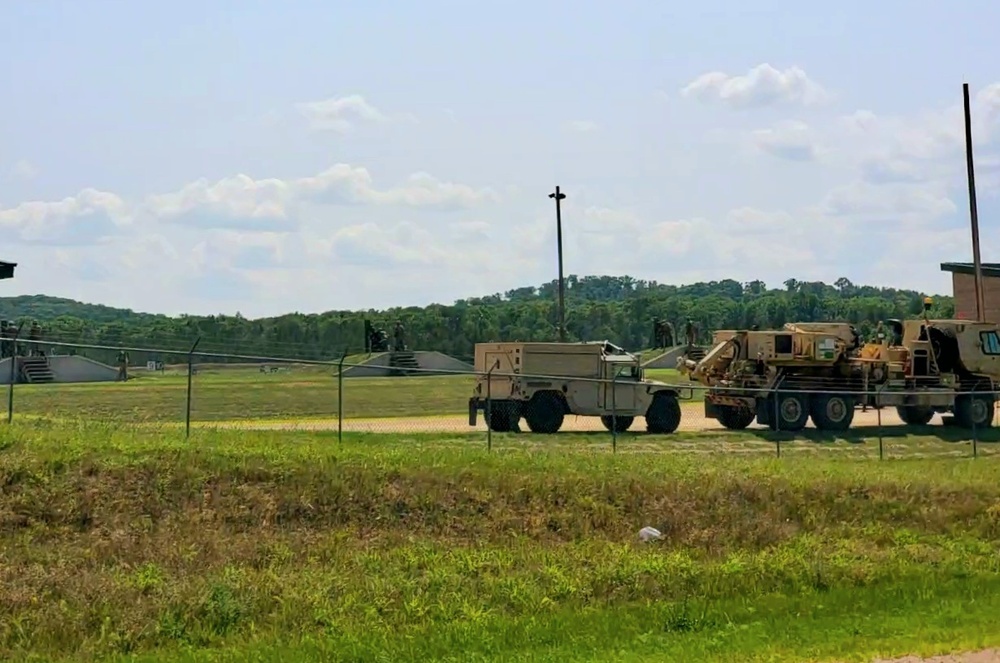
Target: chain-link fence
x,y
383,395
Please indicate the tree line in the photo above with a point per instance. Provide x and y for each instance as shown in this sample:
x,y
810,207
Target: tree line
x,y
620,309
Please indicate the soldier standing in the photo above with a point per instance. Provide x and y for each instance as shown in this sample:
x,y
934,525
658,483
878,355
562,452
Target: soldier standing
x,y
689,331
34,336
668,333
880,332
122,365
397,334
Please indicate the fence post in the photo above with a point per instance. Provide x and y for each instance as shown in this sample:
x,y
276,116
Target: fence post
x,y
975,438
13,374
776,425
340,397
878,411
614,411
187,411
489,405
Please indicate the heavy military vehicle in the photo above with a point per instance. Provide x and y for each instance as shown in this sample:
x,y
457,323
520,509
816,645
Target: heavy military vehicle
x,y
823,371
595,379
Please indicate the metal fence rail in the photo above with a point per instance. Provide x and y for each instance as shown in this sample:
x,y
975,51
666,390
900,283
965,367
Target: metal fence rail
x,y
196,388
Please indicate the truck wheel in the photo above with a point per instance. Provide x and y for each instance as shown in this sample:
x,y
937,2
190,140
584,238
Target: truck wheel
x,y
734,417
792,412
974,410
503,416
833,412
619,424
664,414
545,413
915,415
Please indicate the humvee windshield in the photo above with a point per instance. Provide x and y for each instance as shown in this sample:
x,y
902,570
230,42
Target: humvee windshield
x,y
623,370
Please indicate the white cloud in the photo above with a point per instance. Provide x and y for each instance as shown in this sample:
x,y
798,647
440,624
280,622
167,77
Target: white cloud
x,y
25,170
764,85
582,126
272,203
343,114
88,215
792,140
883,201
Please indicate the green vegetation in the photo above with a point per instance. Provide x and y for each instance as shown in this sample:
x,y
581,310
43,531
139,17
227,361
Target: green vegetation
x,y
295,392
291,547
620,309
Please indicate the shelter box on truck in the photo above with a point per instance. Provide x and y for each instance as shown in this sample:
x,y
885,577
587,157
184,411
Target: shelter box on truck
x,y
543,382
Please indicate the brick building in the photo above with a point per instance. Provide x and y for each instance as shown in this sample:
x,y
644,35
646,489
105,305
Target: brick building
x,y
963,283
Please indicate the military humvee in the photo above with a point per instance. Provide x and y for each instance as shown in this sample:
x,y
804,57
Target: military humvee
x,y
543,382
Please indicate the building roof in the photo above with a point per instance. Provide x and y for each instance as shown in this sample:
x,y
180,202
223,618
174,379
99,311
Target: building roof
x,y
7,269
991,269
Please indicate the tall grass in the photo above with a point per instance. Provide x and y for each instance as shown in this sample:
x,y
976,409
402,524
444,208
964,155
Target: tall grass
x,y
276,547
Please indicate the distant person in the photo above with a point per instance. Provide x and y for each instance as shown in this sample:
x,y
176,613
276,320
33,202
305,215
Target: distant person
x,y
122,366
34,336
690,332
369,336
398,338
668,333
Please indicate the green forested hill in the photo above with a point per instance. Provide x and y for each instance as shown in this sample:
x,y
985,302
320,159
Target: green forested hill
x,y
617,308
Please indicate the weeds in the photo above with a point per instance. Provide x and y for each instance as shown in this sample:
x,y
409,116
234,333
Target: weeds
x,y
122,543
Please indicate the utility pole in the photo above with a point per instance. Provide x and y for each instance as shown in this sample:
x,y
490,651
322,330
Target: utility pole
x,y
562,286
973,213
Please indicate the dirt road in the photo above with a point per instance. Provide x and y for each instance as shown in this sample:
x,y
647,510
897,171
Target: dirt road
x,y
692,420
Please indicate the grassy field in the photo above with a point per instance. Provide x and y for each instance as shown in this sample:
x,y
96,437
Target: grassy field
x,y
117,544
245,393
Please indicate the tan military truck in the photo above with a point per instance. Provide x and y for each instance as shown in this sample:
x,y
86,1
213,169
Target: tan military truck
x,y
543,382
823,371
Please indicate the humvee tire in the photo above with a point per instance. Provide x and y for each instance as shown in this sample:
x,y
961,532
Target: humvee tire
x,y
545,412
503,416
620,424
974,410
664,414
735,418
915,415
832,412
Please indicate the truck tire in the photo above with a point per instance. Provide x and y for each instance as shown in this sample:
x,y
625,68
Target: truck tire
x,y
664,414
545,412
734,417
833,412
974,410
792,412
503,416
915,415
619,424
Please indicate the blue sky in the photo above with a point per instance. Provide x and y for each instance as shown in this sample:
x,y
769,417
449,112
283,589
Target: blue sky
x,y
266,157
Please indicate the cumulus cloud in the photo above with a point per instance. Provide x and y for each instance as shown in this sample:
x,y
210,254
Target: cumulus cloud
x,y
926,147
764,85
87,216
792,140
343,237
863,202
343,114
274,204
